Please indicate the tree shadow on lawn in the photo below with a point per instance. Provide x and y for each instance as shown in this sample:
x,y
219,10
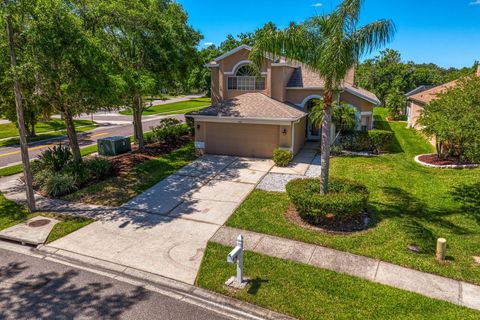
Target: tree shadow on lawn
x,y
416,219
382,124
48,295
468,195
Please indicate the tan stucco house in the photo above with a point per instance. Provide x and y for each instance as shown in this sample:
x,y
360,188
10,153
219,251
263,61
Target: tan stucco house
x,y
252,115
418,98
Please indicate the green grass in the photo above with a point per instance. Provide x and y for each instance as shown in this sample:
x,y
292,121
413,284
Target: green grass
x,y
306,292
45,136
11,170
180,107
120,189
12,214
411,204
9,130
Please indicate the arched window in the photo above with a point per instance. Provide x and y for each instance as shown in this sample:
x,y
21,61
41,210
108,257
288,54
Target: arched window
x,y
245,71
246,79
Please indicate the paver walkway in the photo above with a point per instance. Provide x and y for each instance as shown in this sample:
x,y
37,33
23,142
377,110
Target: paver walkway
x,y
304,165
427,284
164,230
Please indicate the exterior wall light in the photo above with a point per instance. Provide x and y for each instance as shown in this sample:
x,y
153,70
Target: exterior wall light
x,y
284,132
198,127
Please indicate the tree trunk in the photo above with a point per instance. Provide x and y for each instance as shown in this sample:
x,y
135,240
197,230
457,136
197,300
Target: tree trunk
x,y
325,152
72,135
137,121
27,174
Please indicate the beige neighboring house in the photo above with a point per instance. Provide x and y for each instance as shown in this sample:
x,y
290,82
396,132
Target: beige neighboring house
x,y
252,115
418,98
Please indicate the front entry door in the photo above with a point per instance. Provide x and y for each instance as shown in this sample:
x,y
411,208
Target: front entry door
x,y
313,133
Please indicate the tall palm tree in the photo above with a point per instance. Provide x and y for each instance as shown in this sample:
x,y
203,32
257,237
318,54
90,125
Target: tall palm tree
x,y
330,44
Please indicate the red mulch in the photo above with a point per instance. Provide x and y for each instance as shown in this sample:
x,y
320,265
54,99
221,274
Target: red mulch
x,y
333,226
435,160
125,162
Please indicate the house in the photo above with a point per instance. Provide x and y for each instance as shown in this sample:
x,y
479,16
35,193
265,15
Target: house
x,y
253,114
418,98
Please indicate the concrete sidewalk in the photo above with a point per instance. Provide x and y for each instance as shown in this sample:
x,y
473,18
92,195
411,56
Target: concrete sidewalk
x,y
454,291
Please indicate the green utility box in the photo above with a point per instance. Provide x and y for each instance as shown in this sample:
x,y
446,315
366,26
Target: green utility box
x,y
113,146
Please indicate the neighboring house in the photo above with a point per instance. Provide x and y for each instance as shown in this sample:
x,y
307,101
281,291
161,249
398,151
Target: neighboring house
x,y
252,115
418,98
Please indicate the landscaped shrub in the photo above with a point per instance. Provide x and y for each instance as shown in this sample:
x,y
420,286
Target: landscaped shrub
x,y
99,168
59,184
356,141
169,131
282,157
380,139
54,159
56,174
336,150
345,199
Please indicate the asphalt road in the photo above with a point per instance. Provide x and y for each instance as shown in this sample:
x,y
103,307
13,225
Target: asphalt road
x,y
11,155
32,288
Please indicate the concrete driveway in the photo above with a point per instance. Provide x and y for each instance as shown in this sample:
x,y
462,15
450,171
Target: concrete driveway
x,y
165,230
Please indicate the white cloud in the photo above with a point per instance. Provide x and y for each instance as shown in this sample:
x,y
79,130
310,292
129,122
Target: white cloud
x,y
318,4
207,44
475,3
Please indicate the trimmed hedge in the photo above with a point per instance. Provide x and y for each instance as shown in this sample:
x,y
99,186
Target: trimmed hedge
x,y
345,199
282,157
380,139
356,141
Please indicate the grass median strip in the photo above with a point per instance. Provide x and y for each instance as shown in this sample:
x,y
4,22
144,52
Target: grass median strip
x,y
306,292
9,130
410,204
174,107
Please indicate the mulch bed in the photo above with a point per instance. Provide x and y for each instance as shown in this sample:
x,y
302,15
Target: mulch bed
x,y
435,160
334,226
124,163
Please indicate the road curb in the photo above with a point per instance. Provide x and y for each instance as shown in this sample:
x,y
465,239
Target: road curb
x,y
215,302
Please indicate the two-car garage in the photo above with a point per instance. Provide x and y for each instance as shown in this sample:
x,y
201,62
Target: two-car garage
x,y
247,140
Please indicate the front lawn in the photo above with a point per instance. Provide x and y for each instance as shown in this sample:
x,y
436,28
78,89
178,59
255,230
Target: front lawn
x,y
118,190
12,214
180,107
9,130
412,204
306,292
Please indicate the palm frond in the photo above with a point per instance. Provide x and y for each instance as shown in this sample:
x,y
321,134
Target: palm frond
x,y
372,36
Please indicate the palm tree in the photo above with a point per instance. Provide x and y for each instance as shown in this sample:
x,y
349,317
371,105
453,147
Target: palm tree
x,y
329,44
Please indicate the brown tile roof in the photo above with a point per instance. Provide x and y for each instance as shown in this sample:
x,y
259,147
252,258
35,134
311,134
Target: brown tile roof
x,y
362,93
428,95
303,77
252,105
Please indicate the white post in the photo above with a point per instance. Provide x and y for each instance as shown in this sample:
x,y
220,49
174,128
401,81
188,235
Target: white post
x,y
240,260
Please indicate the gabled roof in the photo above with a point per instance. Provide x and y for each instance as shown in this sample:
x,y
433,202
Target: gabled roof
x,y
418,90
233,51
429,95
252,105
362,93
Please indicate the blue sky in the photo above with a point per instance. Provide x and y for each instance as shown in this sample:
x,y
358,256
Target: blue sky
x,y
445,32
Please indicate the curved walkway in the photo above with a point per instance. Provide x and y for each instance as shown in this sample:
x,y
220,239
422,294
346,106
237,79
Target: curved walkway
x,y
454,291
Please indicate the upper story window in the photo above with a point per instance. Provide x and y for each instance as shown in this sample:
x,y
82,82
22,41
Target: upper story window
x,y
245,79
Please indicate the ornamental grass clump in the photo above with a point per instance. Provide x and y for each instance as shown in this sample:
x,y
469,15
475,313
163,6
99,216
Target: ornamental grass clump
x,y
346,199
